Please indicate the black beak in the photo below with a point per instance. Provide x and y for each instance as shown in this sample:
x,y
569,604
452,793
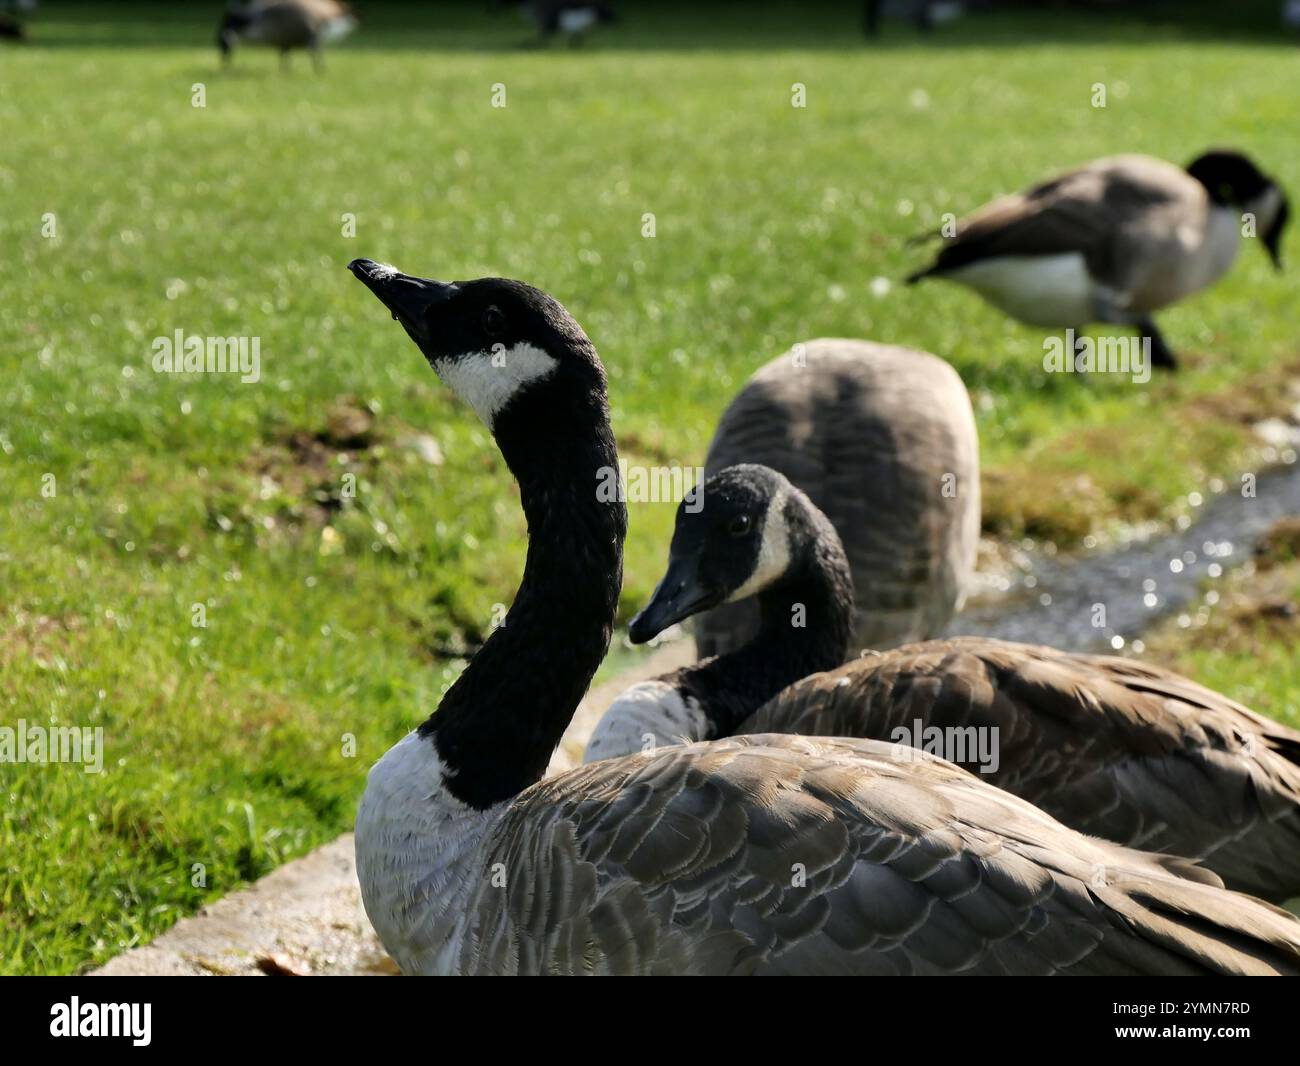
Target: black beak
x,y
680,594
408,298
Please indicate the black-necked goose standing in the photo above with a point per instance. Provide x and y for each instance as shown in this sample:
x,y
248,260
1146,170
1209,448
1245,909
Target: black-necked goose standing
x,y
1114,241
1111,747
570,19
285,24
883,440
753,855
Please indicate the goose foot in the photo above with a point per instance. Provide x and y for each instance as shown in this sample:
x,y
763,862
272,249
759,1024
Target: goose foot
x,y
1161,356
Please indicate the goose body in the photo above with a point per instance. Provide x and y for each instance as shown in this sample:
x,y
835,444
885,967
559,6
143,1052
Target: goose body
x,y
1111,747
763,854
1113,241
883,440
286,24
783,855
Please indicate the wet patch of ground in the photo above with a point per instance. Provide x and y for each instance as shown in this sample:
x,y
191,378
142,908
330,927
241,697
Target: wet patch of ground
x,y
1107,598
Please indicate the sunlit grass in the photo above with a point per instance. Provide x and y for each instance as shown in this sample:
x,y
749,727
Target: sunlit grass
x,y
226,744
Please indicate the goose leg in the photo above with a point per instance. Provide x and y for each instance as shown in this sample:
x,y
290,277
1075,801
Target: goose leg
x,y
871,17
1161,356
1080,342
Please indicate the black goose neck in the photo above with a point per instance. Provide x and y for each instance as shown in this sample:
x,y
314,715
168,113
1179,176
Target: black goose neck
x,y
805,624
499,723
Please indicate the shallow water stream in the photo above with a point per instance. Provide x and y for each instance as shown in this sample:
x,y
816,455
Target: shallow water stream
x,y
1055,600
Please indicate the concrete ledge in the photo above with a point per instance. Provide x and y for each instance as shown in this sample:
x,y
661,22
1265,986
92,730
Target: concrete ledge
x,y
304,918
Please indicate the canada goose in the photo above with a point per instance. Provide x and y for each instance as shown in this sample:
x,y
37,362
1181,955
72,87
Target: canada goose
x,y
1111,747
767,854
883,440
919,12
1114,240
572,19
285,24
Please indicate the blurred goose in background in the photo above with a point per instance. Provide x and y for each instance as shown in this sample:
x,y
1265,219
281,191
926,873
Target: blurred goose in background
x,y
1114,241
883,440
772,854
285,24
570,19
12,27
1109,746
923,14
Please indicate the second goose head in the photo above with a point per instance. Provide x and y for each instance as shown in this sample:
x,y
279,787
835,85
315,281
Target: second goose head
x,y
755,534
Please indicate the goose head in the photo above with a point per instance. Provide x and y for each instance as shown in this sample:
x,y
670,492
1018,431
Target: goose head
x,y
508,350
753,532
1232,180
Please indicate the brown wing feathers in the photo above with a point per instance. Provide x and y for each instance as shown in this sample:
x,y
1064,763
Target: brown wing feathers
x,y
1110,747
778,854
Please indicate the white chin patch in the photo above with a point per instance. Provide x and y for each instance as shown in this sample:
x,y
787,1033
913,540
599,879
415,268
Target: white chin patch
x,y
773,554
487,381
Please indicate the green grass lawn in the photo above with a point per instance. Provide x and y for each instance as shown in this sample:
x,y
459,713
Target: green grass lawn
x,y
332,617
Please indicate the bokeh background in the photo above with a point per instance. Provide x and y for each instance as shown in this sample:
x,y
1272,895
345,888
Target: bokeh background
x,y
330,615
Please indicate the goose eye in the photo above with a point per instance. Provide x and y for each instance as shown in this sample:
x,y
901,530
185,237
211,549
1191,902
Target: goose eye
x,y
494,322
739,525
